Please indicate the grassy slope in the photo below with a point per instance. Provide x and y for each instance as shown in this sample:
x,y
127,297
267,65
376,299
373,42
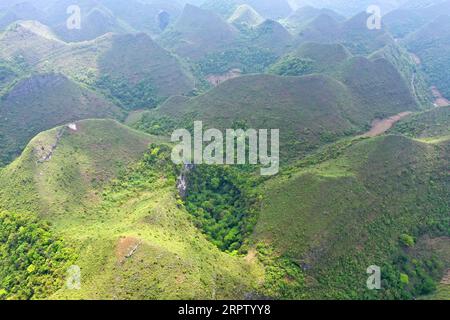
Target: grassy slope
x,y
377,86
300,18
319,108
428,125
412,74
173,260
337,217
307,110
431,44
197,32
28,42
352,33
246,15
411,17
130,58
42,102
327,58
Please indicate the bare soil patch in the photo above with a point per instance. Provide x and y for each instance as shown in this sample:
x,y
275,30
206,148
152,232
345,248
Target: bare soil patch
x,y
380,126
126,247
216,79
439,99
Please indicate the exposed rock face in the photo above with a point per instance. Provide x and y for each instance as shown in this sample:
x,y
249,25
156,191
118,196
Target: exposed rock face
x,y
182,181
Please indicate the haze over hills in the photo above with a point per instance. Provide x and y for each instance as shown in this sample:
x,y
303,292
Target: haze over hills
x,y
246,15
353,33
269,9
134,58
350,7
301,17
198,32
414,15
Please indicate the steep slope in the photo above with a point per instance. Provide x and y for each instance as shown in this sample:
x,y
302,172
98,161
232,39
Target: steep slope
x,y
94,23
380,85
269,9
132,68
273,36
377,87
132,239
414,15
325,57
20,11
350,206
352,33
28,42
41,102
301,17
429,125
308,110
350,7
151,16
411,71
197,32
96,20
431,44
245,15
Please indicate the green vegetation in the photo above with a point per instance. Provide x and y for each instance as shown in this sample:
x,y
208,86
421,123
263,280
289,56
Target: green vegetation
x,y
247,59
104,202
430,124
291,66
33,261
198,32
223,203
130,97
245,15
410,70
304,15
432,44
42,102
157,126
352,208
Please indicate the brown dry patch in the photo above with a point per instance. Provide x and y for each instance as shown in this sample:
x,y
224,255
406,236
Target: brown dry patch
x,y
126,247
446,278
251,256
380,126
216,79
180,278
439,99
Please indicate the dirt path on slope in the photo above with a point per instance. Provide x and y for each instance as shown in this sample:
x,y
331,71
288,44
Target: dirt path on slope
x,y
380,126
